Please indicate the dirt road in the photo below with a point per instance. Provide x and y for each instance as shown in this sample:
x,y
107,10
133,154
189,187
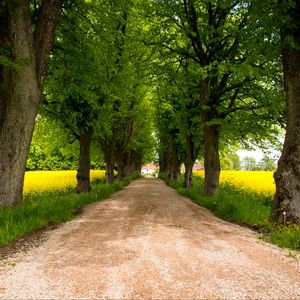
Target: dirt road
x,y
148,242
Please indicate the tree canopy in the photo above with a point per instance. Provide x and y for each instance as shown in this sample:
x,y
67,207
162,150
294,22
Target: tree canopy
x,y
152,79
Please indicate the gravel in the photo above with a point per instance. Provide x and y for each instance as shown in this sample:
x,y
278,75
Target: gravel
x,y
147,242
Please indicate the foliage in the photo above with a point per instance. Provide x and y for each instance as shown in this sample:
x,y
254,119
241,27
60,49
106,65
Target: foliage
x,y
287,235
54,148
50,148
265,164
42,209
104,92
130,131
229,49
243,207
249,163
73,87
230,160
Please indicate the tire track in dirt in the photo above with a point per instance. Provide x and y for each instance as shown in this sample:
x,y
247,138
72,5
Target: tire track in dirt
x,y
148,242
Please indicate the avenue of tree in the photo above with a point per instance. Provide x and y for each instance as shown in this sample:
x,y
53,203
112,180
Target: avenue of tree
x,y
189,78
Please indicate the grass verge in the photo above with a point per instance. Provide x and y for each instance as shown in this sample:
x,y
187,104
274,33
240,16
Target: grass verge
x,y
242,207
39,210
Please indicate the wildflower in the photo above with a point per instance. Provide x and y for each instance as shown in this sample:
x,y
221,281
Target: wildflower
x,y
41,181
258,181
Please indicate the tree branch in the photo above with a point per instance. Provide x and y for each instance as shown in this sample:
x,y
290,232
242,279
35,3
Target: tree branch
x,y
194,36
253,108
44,35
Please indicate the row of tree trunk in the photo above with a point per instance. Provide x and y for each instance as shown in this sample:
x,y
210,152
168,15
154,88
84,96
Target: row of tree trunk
x,y
126,162
21,79
171,160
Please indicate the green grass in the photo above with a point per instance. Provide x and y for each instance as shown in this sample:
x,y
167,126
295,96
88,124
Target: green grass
x,y
242,207
42,209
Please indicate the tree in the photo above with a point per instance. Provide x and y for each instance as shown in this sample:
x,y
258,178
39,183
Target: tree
x,y
190,123
286,203
267,164
170,141
249,163
99,95
52,147
74,95
232,55
230,160
23,65
126,88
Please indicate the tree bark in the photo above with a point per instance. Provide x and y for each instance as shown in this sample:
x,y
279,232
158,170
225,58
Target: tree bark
x,y
163,163
44,35
190,156
211,160
110,172
110,167
107,146
188,174
125,170
138,168
126,164
170,162
121,170
83,172
189,160
20,93
286,205
175,172
121,165
19,100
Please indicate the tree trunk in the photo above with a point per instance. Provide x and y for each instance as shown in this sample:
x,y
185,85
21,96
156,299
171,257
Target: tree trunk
x,y
170,163
164,163
126,165
175,174
121,165
121,170
20,93
286,205
211,160
190,156
137,168
125,170
188,174
107,147
110,171
19,101
83,172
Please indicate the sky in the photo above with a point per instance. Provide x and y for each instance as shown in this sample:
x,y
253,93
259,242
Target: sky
x,y
257,154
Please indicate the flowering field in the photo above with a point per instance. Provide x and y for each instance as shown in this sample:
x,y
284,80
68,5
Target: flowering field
x,y
258,181
41,181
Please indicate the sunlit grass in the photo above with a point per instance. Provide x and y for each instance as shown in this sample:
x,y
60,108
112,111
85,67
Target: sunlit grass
x,y
43,181
40,209
243,204
256,181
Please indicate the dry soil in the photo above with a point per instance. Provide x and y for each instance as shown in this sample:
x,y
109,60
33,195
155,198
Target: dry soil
x,y
147,242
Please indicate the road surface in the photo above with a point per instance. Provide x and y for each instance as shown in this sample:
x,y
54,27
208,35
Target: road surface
x,y
148,242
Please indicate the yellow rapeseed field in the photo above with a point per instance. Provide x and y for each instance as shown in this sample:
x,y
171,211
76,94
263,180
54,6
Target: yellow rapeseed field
x,y
41,181
258,181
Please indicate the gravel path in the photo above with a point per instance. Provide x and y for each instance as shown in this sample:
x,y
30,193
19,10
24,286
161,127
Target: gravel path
x,y
148,242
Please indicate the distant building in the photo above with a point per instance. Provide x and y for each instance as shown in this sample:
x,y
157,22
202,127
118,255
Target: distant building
x,y
197,167
149,168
